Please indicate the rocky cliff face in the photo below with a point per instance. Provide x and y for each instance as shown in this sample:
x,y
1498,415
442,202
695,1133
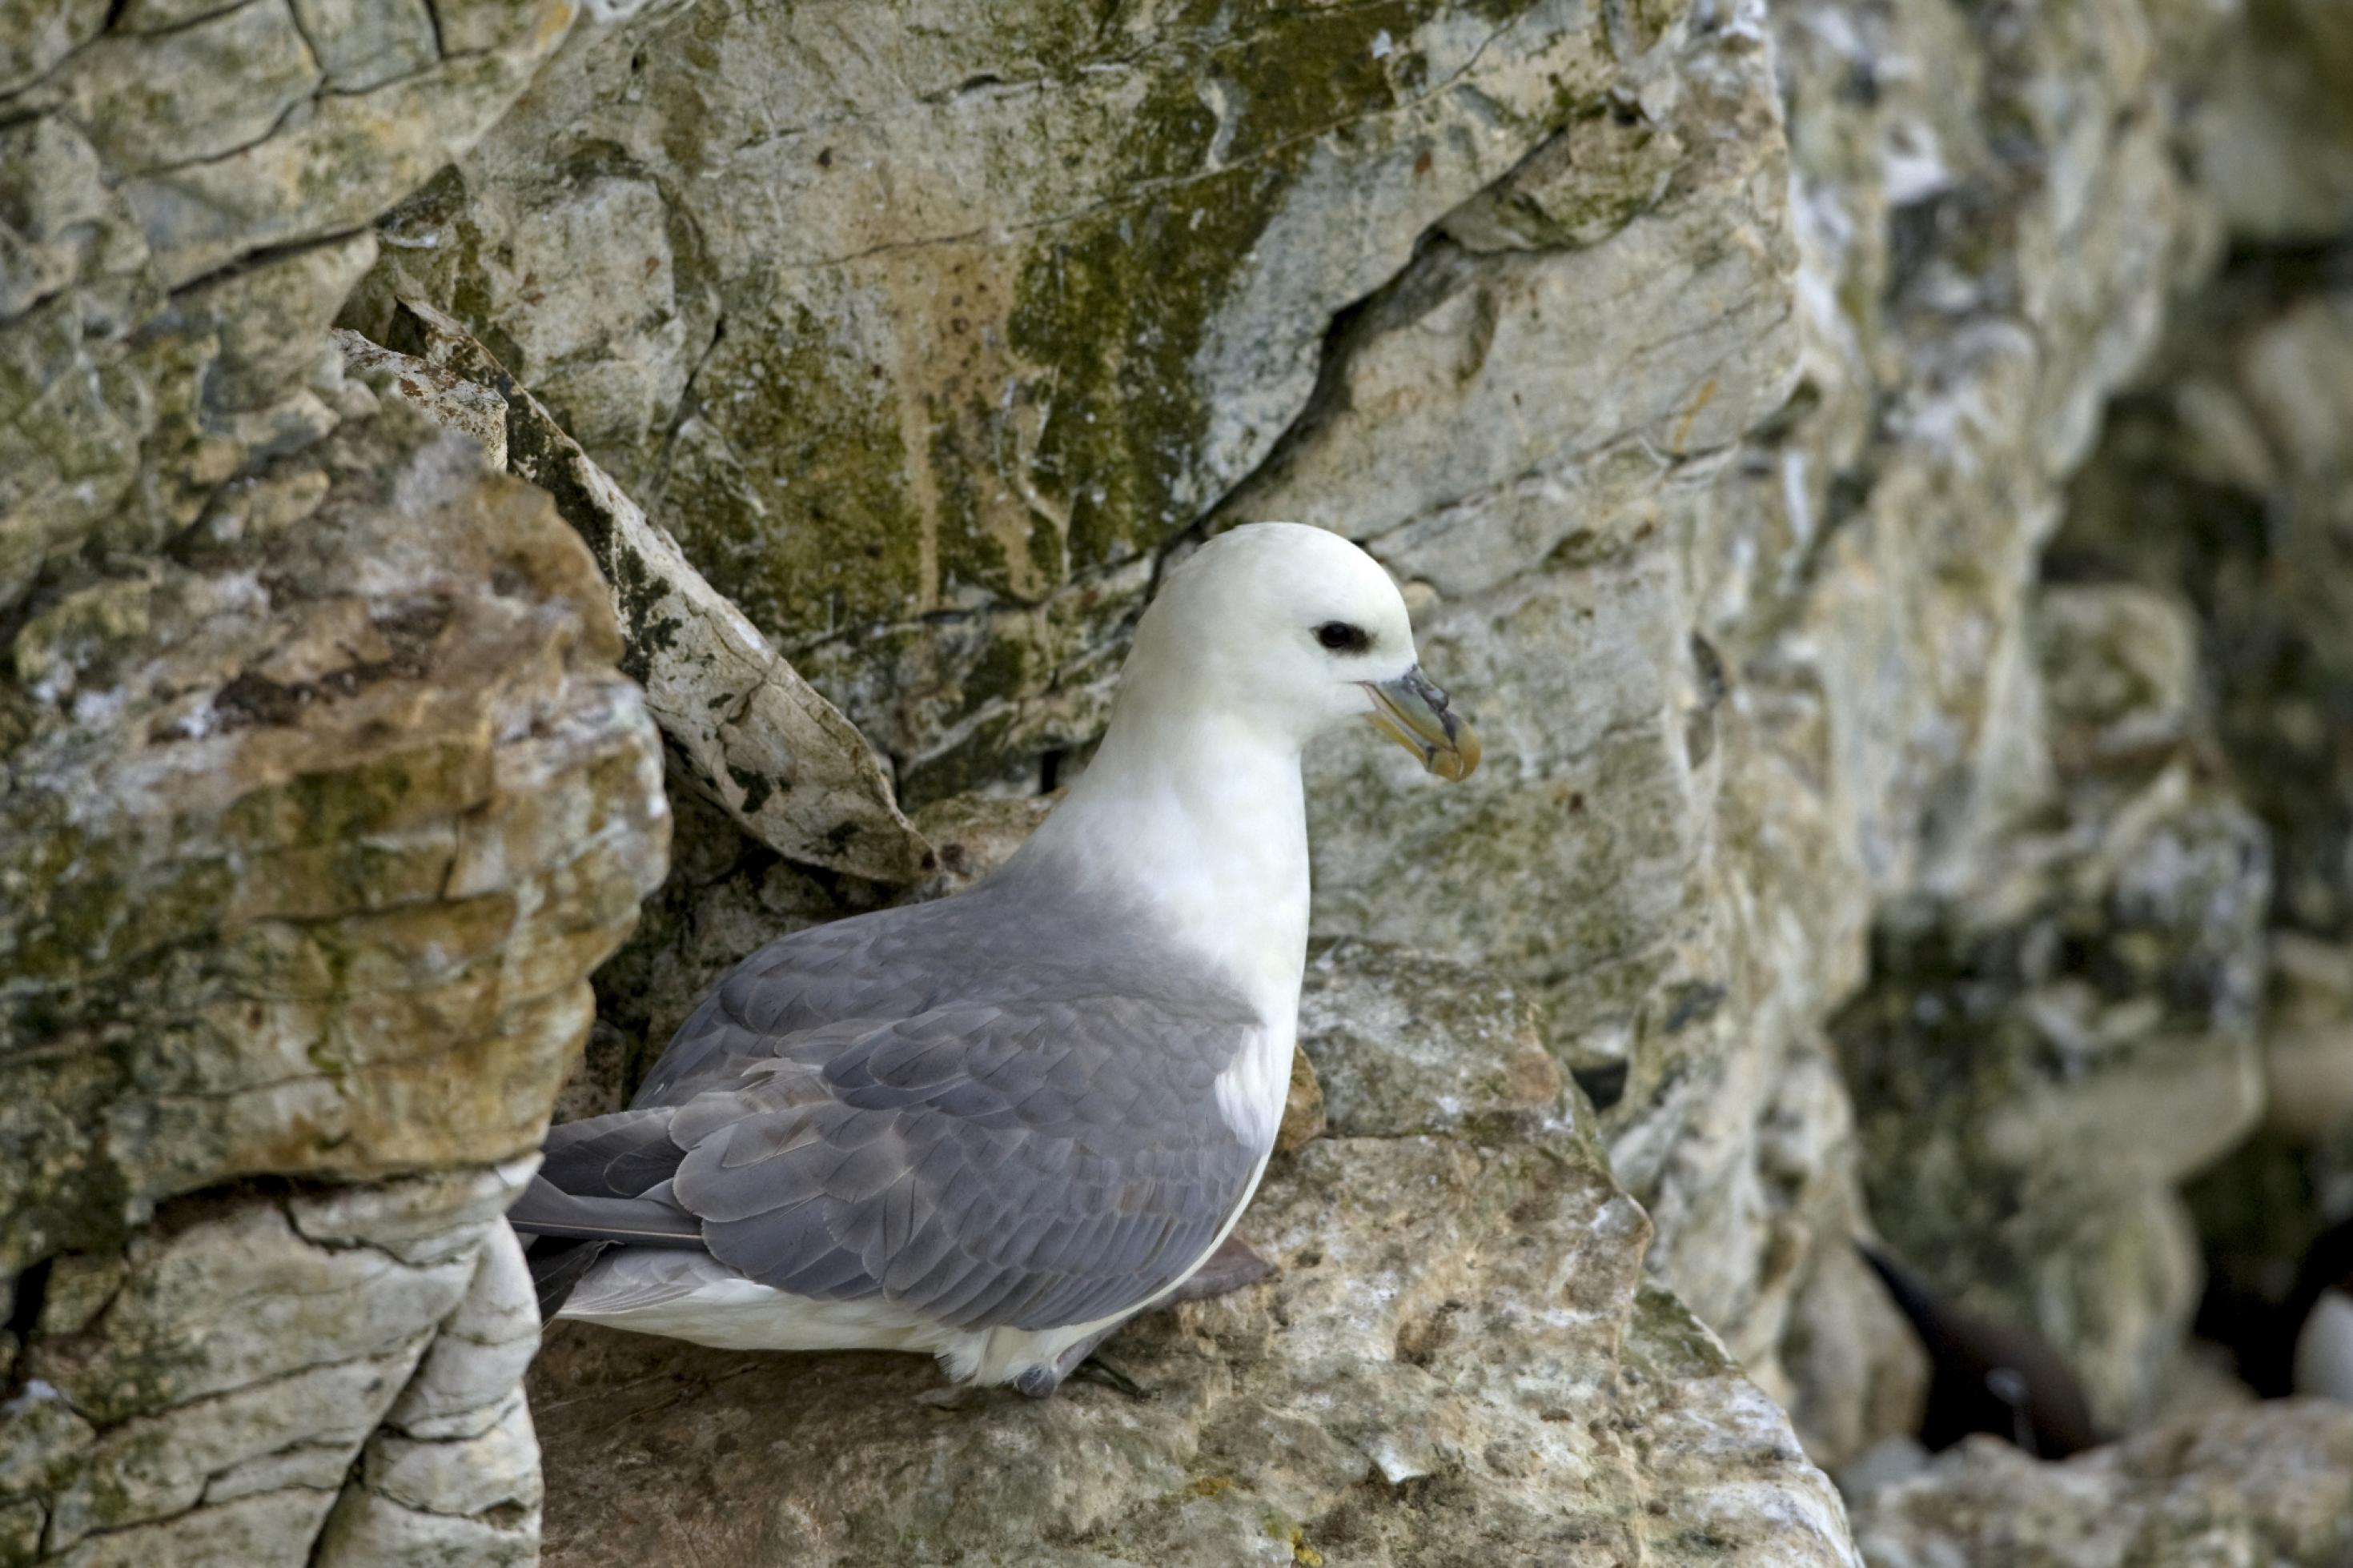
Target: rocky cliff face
x,y
1911,800
321,798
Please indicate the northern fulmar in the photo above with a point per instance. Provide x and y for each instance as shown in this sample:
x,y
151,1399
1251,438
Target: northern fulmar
x,y
994,1127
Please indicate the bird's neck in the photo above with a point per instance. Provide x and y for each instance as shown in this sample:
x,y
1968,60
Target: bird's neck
x,y
1202,821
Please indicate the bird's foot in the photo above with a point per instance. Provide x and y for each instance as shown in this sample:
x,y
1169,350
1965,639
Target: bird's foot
x,y
1233,1265
1095,1368
1230,1268
1041,1381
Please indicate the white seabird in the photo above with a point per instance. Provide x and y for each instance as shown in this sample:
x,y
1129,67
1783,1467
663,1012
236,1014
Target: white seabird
x,y
994,1127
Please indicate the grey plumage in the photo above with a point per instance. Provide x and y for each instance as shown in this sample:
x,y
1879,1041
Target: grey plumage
x,y
999,1109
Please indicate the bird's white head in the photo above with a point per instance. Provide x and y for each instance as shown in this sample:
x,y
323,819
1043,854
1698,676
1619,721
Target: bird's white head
x,y
1296,632
1193,807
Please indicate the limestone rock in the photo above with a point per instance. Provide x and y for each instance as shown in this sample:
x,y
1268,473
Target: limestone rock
x,y
197,92
1862,584
1713,375
2274,136
2308,1042
340,164
363,43
204,1408
1447,388
311,842
2221,486
974,834
2251,427
1303,1106
311,832
1752,673
1387,1054
72,415
1456,1358
140,368
452,1476
2038,1062
1005,319
319,798
2267,1483
444,397
745,729
34,37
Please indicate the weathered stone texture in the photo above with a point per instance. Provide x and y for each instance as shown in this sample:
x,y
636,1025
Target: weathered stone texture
x,y
156,158
2273,138
2039,1060
2225,483
312,834
2269,1483
927,358
1001,317
745,730
315,834
1715,377
198,1396
319,796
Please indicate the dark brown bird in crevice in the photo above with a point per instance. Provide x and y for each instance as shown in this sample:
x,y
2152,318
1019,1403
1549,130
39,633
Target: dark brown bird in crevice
x,y
1986,1378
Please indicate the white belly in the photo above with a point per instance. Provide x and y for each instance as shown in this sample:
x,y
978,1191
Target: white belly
x,y
740,1315
1255,1086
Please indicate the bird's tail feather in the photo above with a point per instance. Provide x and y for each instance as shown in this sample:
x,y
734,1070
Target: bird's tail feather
x,y
566,1234
556,1266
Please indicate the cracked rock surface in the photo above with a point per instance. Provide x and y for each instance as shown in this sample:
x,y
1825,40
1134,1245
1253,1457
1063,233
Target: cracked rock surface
x,y
481,478
745,730
315,832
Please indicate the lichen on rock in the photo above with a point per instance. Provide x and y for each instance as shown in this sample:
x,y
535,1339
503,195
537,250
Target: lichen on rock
x,y
1877,472
744,728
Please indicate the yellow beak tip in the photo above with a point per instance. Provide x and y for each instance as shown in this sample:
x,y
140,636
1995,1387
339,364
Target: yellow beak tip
x,y
1447,745
1459,763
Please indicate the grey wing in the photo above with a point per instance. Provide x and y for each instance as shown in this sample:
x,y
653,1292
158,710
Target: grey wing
x,y
602,1183
1032,1164
998,1109
892,963
1028,1163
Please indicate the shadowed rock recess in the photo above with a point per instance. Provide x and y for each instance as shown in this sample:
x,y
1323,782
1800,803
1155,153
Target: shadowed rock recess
x,y
491,488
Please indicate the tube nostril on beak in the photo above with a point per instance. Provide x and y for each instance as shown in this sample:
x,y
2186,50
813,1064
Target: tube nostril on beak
x,y
1412,711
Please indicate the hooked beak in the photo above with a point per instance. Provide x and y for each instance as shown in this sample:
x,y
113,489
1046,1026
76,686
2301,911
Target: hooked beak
x,y
1412,712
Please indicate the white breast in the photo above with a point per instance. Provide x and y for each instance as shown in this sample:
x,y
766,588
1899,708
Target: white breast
x,y
1255,1086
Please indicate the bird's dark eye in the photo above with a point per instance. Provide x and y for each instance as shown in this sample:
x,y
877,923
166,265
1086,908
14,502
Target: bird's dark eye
x,y
1342,638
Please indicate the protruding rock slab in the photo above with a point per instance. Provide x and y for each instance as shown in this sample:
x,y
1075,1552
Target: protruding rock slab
x,y
310,836
747,731
313,839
